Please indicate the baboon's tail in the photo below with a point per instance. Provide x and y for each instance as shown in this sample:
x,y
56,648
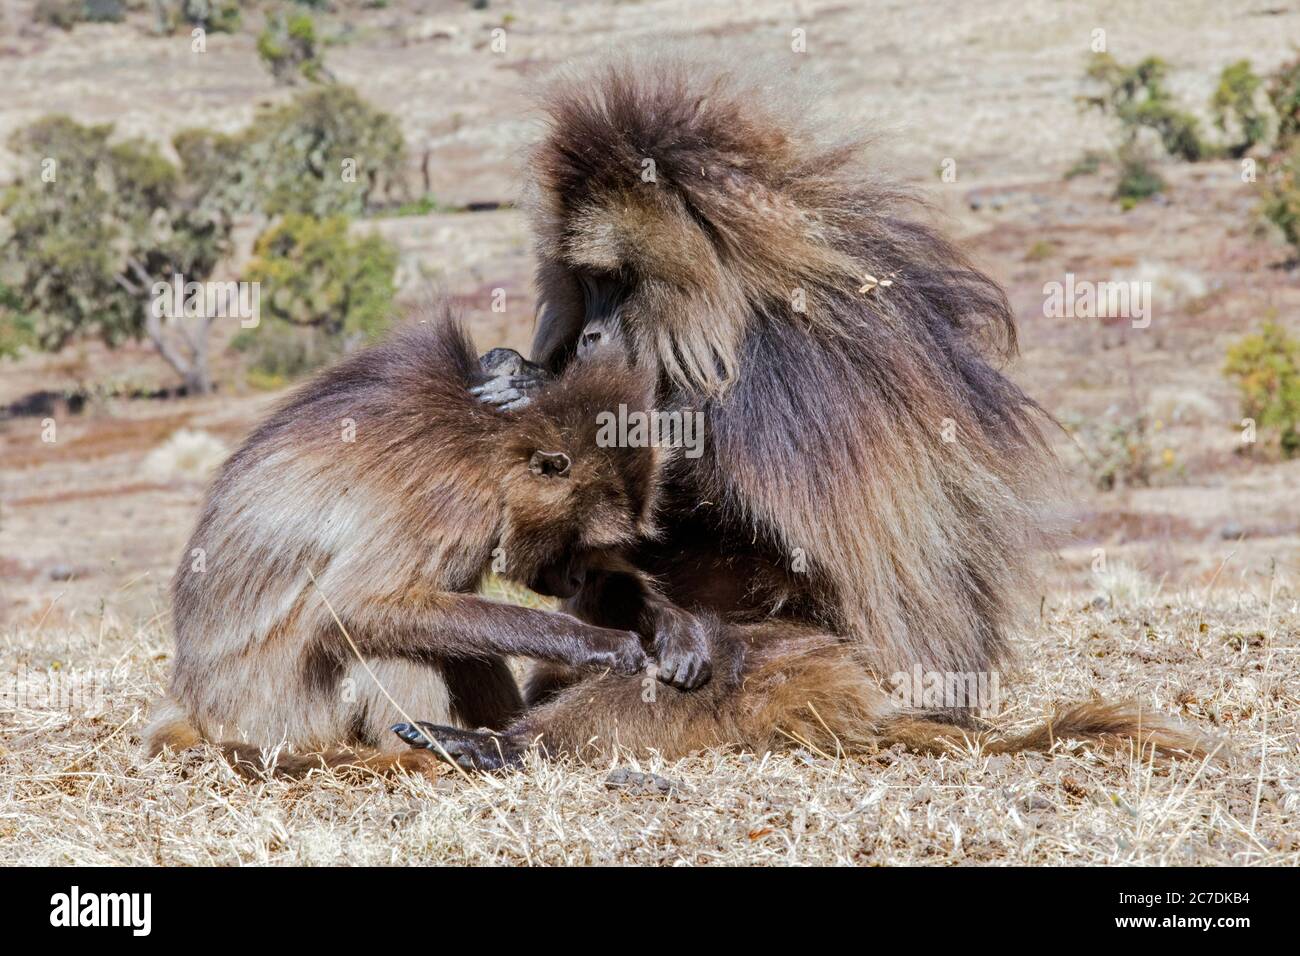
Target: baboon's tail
x,y
252,763
1120,727
813,690
172,730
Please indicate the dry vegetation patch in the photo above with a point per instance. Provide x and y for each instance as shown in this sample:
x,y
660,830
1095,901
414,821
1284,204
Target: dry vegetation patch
x,y
74,788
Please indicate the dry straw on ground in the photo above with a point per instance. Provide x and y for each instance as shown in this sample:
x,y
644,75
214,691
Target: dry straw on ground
x,y
75,789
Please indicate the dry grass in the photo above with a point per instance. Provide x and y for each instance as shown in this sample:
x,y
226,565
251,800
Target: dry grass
x,y
75,788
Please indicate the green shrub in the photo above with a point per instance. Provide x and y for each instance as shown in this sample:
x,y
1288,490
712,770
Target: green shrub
x,y
1089,164
17,330
1284,95
322,294
326,153
64,14
278,353
1136,98
1281,194
1266,368
1137,179
215,16
1236,108
1116,450
288,48
104,11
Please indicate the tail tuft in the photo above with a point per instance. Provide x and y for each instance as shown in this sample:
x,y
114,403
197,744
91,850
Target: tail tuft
x,y
1121,726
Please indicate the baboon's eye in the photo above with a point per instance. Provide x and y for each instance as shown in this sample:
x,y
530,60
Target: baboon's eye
x,y
549,464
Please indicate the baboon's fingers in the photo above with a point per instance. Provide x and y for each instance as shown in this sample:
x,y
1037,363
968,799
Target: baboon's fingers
x,y
685,671
506,391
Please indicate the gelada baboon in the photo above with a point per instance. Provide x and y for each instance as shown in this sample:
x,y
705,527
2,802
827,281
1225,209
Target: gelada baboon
x,y
867,500
386,480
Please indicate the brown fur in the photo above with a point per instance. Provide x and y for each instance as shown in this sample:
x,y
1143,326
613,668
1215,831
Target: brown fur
x,y
779,684
398,525
825,428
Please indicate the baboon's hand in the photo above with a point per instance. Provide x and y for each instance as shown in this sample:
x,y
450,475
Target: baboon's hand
x,y
471,750
511,379
621,653
681,649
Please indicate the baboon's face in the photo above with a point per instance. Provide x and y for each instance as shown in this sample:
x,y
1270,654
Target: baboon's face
x,y
604,298
565,507
602,333
586,316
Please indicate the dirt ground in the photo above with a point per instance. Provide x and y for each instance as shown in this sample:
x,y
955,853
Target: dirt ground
x,y
1183,594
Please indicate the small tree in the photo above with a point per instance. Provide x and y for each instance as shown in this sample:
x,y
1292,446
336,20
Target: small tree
x,y
1284,95
326,153
1237,110
93,226
1281,194
323,294
288,48
1266,367
1136,97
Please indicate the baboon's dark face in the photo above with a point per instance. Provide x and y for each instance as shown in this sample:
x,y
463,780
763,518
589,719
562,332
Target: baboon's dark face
x,y
586,314
565,506
602,332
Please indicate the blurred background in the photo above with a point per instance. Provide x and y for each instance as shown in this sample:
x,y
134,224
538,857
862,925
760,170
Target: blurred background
x,y
349,159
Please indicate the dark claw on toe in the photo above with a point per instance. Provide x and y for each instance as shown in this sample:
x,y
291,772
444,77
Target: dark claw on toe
x,y
410,735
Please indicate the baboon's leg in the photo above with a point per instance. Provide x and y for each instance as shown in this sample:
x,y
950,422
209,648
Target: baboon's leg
x,y
483,691
773,683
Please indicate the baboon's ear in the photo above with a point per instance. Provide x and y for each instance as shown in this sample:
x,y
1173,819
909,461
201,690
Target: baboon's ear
x,y
549,464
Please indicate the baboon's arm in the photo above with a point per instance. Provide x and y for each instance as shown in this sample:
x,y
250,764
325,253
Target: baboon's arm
x,y
465,625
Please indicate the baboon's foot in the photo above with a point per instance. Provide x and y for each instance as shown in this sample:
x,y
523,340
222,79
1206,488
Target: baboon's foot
x,y
477,750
